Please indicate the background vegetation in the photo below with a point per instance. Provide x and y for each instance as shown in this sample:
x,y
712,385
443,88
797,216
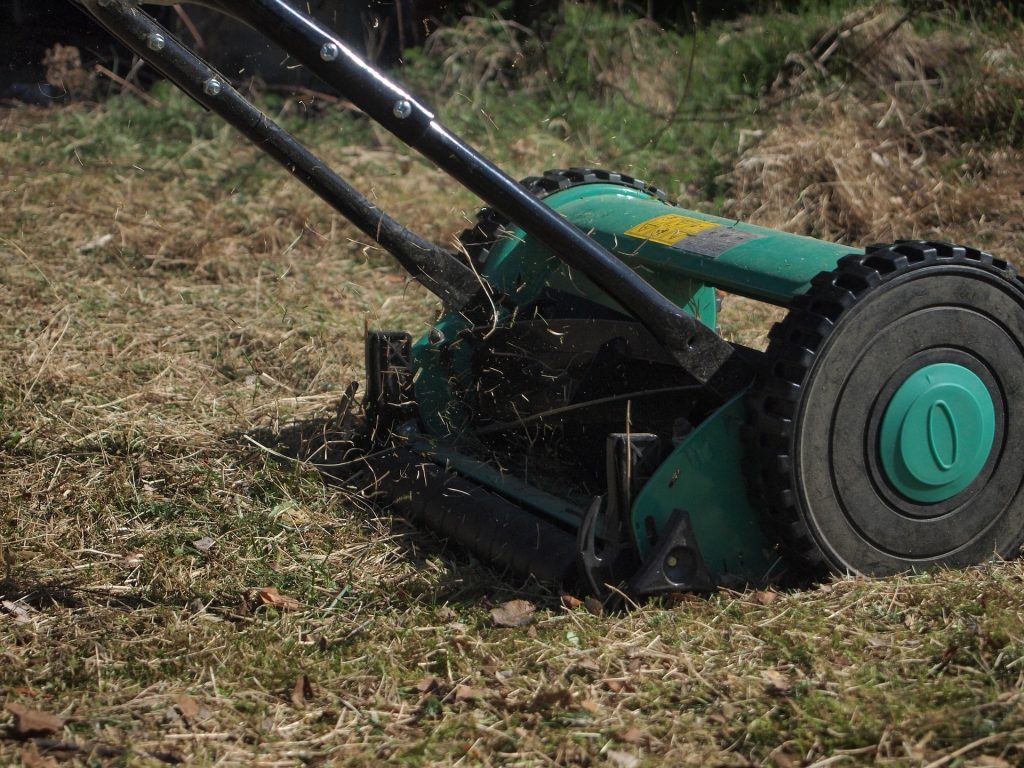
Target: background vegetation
x,y
171,305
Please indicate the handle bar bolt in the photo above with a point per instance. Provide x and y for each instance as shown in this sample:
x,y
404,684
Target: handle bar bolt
x,y
402,109
156,42
212,87
329,52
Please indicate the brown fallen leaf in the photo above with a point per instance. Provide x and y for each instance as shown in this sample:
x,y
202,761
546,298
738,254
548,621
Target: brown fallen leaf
x,y
33,722
186,705
514,613
445,613
32,759
270,596
428,684
778,682
586,666
594,606
591,706
765,597
570,602
467,693
18,612
302,692
550,698
634,736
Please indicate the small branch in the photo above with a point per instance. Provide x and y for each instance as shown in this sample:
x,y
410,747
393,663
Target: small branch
x,y
190,26
126,86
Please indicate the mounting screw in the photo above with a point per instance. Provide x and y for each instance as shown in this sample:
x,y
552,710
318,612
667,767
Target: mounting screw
x,y
330,51
156,42
212,87
402,109
434,336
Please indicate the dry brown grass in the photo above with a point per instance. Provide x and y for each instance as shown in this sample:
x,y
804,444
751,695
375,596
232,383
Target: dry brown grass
x,y
870,162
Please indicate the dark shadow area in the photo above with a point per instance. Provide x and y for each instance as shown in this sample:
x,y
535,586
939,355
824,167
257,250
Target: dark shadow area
x,y
42,594
336,447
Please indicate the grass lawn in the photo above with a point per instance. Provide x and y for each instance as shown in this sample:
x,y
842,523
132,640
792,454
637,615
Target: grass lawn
x,y
170,303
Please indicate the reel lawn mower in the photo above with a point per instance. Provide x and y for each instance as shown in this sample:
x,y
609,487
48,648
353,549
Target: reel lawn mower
x,y
575,414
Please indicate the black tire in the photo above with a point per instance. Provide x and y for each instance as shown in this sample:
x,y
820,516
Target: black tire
x,y
490,225
831,367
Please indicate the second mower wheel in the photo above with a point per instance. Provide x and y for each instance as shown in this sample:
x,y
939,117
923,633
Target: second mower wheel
x,y
888,424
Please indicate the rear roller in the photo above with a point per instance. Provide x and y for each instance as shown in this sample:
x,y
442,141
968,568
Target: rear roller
x,y
887,424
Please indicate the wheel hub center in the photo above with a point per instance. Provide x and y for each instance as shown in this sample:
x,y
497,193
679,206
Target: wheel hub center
x,y
937,432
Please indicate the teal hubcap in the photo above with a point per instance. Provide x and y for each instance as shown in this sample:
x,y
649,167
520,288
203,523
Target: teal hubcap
x,y
937,432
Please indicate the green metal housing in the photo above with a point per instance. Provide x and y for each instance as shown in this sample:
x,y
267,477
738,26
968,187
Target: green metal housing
x,y
686,256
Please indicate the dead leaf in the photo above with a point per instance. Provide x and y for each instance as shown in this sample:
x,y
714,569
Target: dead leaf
x,y
589,705
204,544
187,706
33,722
32,759
765,597
634,736
551,698
514,613
445,613
622,759
428,684
19,613
302,692
777,681
95,245
594,605
586,666
270,596
133,559
467,693
570,602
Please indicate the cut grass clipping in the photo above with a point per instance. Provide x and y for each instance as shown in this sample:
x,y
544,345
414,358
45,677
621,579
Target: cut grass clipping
x,y
170,302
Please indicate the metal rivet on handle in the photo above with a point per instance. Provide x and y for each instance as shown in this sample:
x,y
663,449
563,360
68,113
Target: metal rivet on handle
x,y
212,87
156,42
402,109
329,52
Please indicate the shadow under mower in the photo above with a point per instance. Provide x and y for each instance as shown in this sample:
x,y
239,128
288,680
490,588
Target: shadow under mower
x,y
575,414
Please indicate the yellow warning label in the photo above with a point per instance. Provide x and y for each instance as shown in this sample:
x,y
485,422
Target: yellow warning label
x,y
669,229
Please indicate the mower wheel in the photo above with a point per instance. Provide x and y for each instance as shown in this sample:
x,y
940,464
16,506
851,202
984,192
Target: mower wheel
x,y
887,425
479,239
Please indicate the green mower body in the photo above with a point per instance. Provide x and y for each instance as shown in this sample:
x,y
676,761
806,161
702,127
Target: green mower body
x,y
517,404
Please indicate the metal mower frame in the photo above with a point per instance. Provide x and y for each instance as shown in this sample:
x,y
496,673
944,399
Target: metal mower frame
x,y
575,414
